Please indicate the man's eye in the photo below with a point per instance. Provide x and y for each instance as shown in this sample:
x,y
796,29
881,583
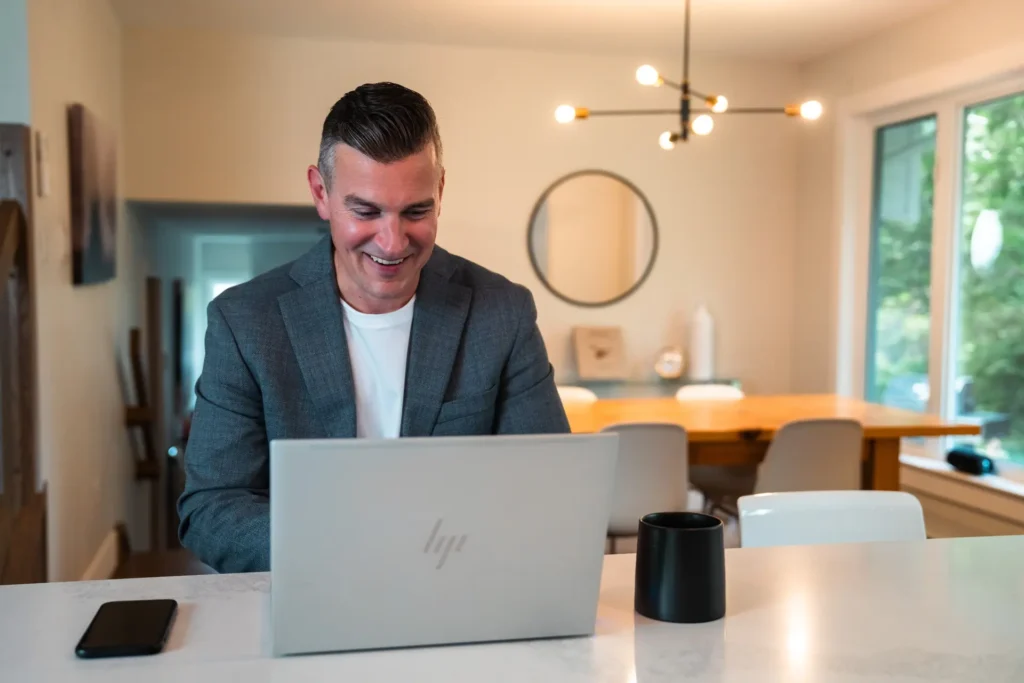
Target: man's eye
x,y
416,215
367,215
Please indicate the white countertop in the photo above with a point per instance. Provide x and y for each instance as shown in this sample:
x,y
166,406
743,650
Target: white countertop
x,y
940,610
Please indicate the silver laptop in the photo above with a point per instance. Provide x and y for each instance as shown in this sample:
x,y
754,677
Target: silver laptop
x,y
440,540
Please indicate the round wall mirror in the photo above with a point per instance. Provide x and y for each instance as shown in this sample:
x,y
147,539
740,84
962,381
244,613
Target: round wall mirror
x,y
592,238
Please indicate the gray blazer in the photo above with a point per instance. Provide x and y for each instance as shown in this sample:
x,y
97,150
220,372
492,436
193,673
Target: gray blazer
x,y
277,366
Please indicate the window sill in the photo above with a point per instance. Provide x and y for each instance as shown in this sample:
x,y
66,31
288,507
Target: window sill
x,y
977,505
1007,483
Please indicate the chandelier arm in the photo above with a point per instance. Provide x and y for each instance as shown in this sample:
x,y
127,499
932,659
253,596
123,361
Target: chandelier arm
x,y
671,84
755,110
632,112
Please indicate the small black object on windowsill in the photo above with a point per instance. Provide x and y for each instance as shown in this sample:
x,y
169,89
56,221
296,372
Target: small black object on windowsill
x,y
967,459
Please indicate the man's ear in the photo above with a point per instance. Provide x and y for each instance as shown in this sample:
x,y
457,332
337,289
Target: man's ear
x,y
318,188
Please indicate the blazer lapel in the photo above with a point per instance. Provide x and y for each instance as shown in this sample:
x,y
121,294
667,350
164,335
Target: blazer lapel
x,y
438,318
313,318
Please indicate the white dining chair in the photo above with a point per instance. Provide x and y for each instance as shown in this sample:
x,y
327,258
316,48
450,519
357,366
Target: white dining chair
x,y
650,476
709,392
813,455
820,517
804,455
571,394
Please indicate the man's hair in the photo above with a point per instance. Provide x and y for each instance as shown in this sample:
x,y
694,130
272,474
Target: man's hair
x,y
385,121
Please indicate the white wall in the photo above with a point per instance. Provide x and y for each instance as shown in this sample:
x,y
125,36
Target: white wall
x,y
14,92
75,56
229,118
958,32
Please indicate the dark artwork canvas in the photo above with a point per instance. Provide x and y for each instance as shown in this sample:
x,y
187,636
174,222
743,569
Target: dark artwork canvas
x,y
94,204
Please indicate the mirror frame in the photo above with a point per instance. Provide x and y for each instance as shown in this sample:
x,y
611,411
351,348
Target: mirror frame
x,y
654,241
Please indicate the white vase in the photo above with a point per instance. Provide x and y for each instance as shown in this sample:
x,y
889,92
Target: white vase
x,y
702,346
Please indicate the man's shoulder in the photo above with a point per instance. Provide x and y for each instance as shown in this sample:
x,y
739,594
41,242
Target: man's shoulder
x,y
481,280
256,295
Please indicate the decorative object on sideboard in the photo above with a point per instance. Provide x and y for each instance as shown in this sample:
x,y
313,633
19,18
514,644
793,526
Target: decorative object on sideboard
x,y
670,363
92,151
592,238
600,352
695,119
702,346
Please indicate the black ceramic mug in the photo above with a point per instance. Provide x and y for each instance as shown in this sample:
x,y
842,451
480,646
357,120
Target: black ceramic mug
x,y
680,567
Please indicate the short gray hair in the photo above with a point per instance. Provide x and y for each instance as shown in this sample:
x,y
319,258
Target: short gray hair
x,y
385,121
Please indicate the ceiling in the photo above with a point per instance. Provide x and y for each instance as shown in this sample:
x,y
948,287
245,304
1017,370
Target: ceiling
x,y
780,30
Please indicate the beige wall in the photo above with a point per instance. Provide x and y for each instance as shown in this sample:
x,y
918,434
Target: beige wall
x,y
961,31
75,56
216,117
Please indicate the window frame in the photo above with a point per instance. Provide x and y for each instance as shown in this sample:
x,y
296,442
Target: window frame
x,y
856,287
870,310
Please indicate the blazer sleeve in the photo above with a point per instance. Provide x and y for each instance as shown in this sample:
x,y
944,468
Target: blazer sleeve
x,y
225,506
528,401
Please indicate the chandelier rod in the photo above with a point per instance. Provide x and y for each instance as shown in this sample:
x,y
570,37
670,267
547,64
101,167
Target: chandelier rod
x,y
686,45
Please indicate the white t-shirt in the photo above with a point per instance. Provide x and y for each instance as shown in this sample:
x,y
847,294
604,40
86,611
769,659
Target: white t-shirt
x,y
378,345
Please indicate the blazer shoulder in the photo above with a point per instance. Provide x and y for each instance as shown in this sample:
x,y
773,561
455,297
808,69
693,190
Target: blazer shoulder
x,y
258,295
480,279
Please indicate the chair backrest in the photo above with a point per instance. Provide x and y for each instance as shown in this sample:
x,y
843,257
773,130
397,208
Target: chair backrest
x,y
818,517
708,392
813,455
651,474
570,394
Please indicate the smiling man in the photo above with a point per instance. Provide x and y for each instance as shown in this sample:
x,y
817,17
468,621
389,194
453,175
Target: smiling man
x,y
375,333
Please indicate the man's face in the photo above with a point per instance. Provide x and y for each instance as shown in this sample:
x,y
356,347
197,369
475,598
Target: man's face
x,y
383,223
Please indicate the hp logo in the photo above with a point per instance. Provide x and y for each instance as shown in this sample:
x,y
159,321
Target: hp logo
x,y
442,545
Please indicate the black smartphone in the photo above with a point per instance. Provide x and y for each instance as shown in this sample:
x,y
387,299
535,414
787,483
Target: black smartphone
x,y
127,628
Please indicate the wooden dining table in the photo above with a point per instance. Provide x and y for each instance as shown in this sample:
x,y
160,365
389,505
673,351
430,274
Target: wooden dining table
x,y
738,432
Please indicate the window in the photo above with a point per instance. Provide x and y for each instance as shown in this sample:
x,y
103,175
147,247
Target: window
x,y
899,308
989,341
944,316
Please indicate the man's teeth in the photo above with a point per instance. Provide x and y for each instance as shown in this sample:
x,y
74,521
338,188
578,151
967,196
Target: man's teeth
x,y
385,262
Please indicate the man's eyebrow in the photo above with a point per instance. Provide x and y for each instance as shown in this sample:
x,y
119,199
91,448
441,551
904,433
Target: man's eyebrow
x,y
425,205
355,202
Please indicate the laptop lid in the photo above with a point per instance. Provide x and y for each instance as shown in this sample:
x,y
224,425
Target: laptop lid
x,y
425,541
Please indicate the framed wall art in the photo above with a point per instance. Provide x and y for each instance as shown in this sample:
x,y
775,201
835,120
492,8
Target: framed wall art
x,y
92,160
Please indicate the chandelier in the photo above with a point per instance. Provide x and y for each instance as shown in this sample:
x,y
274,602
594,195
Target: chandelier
x,y
696,119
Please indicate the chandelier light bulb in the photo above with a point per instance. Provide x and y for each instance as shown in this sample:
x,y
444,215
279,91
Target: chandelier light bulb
x,y
811,110
719,104
667,140
703,124
648,75
565,114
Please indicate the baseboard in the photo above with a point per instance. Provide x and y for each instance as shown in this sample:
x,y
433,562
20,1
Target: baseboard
x,y
104,562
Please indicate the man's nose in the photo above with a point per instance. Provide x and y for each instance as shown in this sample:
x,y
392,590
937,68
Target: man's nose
x,y
392,238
